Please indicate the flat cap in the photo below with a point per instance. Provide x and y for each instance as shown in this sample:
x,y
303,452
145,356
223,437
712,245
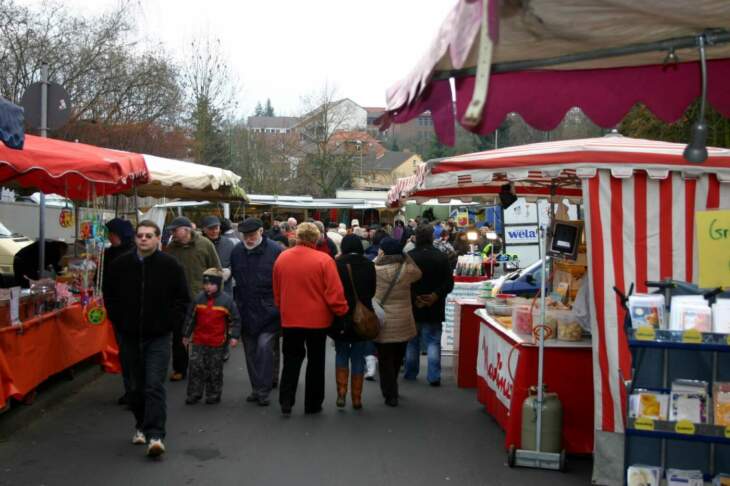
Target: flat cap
x,y
250,225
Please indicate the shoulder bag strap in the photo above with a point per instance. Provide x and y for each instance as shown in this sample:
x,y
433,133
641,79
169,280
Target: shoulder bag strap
x,y
352,282
392,284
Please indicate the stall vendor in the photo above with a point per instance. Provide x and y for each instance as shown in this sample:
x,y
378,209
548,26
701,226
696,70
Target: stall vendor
x,y
26,261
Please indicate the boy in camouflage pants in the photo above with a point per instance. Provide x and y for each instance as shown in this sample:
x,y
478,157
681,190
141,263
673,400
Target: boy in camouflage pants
x,y
212,315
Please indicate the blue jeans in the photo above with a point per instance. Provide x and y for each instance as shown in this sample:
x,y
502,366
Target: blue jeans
x,y
146,361
351,352
430,333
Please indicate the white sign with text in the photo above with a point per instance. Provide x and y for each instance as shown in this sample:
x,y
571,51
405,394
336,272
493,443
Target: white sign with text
x,y
493,356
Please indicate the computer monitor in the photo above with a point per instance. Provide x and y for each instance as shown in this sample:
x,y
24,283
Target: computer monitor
x,y
565,239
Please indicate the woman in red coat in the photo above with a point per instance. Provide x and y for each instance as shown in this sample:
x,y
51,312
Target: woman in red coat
x,y
309,294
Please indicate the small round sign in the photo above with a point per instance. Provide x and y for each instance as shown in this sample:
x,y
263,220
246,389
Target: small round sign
x,y
95,313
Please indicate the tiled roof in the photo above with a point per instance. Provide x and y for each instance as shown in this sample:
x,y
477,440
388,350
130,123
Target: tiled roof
x,y
272,121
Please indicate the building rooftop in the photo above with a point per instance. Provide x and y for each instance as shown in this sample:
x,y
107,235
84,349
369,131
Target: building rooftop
x,y
281,122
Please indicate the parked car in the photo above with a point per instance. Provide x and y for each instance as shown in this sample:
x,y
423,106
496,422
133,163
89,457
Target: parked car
x,y
10,244
524,282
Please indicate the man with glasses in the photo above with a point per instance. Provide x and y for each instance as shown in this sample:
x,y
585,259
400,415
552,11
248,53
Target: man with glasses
x,y
253,265
146,300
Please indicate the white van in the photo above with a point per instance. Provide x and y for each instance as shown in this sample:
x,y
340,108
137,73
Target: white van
x,y
10,244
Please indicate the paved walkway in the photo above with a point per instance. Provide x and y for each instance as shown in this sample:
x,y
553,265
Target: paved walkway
x,y
437,436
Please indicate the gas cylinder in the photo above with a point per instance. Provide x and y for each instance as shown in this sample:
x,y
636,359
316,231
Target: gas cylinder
x,y
552,422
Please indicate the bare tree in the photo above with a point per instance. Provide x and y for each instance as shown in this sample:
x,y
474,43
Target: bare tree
x,y
110,78
211,89
326,154
263,161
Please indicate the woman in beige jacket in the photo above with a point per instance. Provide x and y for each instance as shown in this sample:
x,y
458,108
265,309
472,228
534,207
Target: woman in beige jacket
x,y
395,273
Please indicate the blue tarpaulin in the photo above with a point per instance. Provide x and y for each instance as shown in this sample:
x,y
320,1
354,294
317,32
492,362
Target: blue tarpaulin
x,y
11,124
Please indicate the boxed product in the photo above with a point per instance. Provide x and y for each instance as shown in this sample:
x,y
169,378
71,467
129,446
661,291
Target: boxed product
x,y
721,480
690,312
682,477
688,401
522,319
721,403
638,475
646,310
721,316
649,404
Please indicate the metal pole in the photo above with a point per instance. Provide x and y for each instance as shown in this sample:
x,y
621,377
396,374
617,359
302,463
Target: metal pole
x,y
42,205
541,347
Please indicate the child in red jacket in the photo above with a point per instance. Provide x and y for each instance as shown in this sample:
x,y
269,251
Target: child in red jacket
x,y
208,321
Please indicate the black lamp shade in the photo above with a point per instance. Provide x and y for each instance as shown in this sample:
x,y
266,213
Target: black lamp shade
x,y
696,151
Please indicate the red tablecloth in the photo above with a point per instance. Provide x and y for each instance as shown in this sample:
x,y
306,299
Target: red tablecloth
x,y
466,342
49,344
506,372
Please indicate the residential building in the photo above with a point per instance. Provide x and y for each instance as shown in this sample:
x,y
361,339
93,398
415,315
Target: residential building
x,y
414,135
338,116
380,170
272,124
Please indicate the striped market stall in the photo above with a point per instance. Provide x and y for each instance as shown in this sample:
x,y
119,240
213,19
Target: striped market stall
x,y
639,199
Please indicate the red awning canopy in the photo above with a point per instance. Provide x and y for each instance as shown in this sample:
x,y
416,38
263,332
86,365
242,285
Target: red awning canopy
x,y
539,168
603,56
74,170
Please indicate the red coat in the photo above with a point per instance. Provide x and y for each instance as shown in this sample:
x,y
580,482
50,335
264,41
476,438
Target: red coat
x,y
307,288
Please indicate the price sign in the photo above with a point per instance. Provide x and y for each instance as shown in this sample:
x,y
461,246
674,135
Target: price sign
x,y
713,239
645,333
644,423
685,427
692,336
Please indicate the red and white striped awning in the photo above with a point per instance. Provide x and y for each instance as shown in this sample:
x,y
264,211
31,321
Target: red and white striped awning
x,y
535,168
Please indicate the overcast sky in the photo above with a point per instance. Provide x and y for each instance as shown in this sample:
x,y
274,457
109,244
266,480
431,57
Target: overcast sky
x,y
287,49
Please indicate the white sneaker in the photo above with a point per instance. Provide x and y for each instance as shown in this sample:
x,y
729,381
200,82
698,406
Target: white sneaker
x,y
139,438
371,365
156,448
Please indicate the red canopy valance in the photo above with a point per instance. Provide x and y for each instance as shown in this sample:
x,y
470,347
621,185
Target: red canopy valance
x,y
74,170
605,88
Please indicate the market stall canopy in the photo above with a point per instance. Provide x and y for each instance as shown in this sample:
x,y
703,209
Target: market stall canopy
x,y
541,168
172,178
11,124
74,170
604,56
308,202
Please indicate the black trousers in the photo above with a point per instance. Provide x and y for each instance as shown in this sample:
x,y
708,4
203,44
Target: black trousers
x,y
390,358
179,352
146,361
297,344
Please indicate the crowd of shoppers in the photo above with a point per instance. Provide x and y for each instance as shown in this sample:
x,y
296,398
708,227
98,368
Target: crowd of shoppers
x,y
202,292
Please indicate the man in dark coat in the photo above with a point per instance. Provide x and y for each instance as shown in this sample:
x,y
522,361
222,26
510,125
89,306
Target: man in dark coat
x,y
146,300
253,264
429,303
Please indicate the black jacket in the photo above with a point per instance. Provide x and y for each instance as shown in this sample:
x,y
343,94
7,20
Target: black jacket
x,y
254,290
147,297
363,274
110,255
436,278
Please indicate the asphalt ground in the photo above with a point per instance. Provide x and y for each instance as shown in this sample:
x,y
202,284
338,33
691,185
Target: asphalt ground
x,y
437,436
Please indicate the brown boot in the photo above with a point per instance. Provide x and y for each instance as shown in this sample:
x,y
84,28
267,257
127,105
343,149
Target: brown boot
x,y
357,381
341,374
